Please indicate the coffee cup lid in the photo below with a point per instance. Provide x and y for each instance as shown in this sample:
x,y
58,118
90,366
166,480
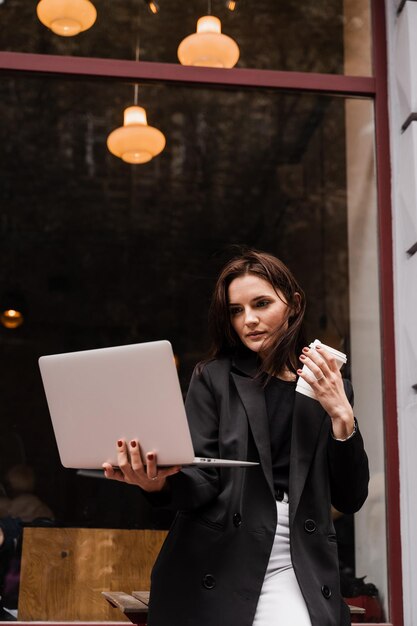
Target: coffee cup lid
x,y
341,356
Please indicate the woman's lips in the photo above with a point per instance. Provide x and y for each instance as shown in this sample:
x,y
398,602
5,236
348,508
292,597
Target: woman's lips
x,y
255,335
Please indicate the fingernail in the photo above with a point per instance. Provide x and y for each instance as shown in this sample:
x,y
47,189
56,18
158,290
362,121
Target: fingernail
x,y
120,443
302,357
299,371
318,347
133,444
306,349
150,456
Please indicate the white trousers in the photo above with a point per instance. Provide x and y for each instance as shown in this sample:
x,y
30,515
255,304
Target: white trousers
x,y
281,602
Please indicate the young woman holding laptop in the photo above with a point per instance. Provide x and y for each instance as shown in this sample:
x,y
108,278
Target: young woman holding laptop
x,y
256,546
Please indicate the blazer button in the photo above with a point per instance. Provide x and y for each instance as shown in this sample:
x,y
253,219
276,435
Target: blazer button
x,y
326,591
237,519
209,582
310,526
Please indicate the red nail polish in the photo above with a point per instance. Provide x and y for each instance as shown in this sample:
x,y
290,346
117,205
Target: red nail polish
x,y
120,443
133,444
150,457
302,357
299,371
318,347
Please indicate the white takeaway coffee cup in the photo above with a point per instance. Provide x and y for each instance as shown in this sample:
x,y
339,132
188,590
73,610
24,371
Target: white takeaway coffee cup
x,y
302,386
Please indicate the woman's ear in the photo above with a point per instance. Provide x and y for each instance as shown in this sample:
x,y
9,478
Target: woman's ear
x,y
295,309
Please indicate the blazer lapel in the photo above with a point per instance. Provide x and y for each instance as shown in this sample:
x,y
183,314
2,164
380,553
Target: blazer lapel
x,y
252,396
308,418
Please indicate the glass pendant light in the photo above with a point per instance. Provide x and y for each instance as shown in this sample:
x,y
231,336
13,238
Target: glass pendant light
x,y
66,17
10,318
208,47
135,141
12,310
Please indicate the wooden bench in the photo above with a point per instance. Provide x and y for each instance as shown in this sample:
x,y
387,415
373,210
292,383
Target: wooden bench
x,y
135,605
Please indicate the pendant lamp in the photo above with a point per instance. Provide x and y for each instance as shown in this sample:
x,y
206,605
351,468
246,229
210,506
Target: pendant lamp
x,y
11,318
12,310
135,141
208,47
66,17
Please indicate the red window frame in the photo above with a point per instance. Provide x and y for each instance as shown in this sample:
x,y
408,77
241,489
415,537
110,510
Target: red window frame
x,y
374,87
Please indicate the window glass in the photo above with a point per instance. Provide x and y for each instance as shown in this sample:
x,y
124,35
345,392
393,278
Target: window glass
x,y
330,36
102,253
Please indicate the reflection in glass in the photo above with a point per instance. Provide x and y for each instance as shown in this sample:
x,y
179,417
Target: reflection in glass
x,y
329,36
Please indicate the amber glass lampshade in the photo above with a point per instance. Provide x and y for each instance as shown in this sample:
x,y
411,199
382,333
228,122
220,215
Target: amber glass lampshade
x,y
66,17
12,309
135,141
208,47
11,318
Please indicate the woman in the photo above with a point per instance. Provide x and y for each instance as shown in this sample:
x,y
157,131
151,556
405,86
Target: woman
x,y
256,546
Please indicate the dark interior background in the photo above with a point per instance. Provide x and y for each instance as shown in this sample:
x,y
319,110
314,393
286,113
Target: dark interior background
x,y
103,253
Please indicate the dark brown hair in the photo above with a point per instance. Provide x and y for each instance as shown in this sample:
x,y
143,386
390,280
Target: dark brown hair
x,y
287,342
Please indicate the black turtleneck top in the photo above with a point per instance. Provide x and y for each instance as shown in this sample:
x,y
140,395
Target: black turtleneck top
x,y
279,397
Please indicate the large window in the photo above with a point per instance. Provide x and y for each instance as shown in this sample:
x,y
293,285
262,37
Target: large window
x,y
104,253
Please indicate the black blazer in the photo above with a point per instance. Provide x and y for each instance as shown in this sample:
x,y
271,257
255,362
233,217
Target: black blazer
x,y
212,565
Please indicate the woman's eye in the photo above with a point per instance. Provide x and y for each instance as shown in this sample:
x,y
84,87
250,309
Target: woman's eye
x,y
234,311
262,303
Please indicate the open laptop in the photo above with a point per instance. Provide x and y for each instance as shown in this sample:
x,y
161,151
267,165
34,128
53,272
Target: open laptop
x,y
96,397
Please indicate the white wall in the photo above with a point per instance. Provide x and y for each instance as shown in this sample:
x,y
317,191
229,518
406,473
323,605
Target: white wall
x,y
402,68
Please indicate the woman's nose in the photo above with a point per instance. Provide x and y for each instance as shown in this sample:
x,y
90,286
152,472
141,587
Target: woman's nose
x,y
251,317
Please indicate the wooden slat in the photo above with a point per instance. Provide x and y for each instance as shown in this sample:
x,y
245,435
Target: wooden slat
x,y
143,596
125,602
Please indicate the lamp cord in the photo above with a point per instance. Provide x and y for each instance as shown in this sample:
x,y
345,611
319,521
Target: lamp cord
x,y
136,88
137,48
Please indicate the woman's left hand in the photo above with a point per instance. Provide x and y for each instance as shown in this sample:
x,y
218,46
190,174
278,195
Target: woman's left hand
x,y
326,381
131,468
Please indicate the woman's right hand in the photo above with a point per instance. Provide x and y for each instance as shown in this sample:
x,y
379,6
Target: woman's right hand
x,y
132,470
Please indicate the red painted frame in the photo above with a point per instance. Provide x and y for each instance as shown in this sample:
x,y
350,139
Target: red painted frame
x,y
372,87
387,315
122,70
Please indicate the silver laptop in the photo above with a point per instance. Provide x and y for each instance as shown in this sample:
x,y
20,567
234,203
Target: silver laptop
x,y
96,397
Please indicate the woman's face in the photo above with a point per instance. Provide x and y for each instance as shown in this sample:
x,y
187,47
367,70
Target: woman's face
x,y
256,310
